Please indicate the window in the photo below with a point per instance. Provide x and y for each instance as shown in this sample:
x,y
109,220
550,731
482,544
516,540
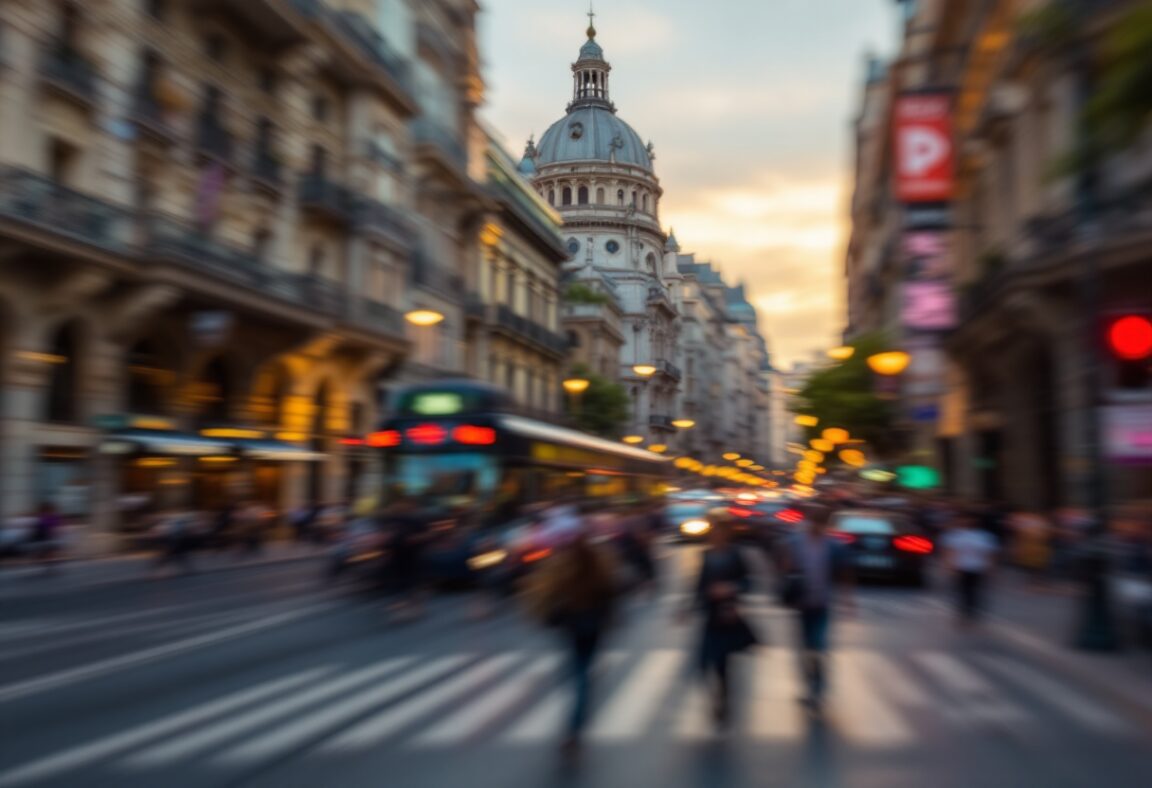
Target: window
x,y
61,402
612,246
319,165
567,195
582,195
215,47
551,196
63,161
268,81
156,8
316,261
320,109
261,241
573,247
620,197
645,203
600,196
149,72
633,198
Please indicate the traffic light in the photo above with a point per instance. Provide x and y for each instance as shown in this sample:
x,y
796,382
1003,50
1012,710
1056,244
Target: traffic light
x,y
1129,339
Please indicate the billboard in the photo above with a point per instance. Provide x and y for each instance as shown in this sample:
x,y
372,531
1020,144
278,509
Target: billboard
x,y
922,128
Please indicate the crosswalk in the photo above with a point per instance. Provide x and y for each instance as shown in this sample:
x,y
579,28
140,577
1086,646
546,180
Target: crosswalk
x,y
514,699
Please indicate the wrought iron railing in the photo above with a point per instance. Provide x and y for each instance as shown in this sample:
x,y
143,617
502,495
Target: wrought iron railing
x,y
65,67
429,133
385,218
319,193
660,421
37,200
360,31
214,140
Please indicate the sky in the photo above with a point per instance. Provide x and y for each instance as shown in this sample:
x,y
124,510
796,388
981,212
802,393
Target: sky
x,y
749,104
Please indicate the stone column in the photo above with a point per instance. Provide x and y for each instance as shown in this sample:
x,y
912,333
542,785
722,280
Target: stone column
x,y
19,94
102,394
26,384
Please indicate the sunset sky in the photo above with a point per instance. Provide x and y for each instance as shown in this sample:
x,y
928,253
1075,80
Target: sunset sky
x,y
749,108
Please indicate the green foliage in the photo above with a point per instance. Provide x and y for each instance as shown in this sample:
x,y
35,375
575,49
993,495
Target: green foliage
x,y
604,409
580,293
842,395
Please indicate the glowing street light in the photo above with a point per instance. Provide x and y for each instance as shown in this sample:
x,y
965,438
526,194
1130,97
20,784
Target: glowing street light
x,y
644,370
633,439
658,448
821,445
890,363
576,386
842,353
804,420
424,317
731,456
853,457
683,424
836,435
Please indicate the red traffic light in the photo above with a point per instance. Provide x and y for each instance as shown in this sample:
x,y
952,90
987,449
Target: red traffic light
x,y
1130,337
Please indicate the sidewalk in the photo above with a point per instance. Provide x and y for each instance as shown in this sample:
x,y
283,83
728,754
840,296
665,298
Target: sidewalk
x,y
1042,622
18,579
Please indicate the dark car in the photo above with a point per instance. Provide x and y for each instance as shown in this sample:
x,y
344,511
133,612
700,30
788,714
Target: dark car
x,y
764,521
883,545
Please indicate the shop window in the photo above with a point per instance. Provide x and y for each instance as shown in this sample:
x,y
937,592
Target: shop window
x,y
214,392
146,380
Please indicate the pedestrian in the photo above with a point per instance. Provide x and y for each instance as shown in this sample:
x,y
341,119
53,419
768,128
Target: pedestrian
x,y
722,578
407,527
815,563
250,519
302,519
176,534
635,543
575,593
223,527
46,537
969,554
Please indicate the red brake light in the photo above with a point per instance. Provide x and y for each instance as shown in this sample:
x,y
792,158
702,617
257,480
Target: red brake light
x,y
427,434
471,435
351,441
536,555
736,511
912,544
383,440
843,537
789,516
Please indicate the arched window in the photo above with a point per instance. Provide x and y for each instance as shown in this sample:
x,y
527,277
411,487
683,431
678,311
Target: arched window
x,y
620,197
215,392
62,403
644,203
269,394
551,196
633,198
582,195
600,196
566,197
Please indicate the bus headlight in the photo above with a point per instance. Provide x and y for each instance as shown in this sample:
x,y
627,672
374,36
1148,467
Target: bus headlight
x,y
695,527
487,560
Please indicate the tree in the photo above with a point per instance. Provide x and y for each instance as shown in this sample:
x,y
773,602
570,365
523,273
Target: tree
x,y
842,395
603,409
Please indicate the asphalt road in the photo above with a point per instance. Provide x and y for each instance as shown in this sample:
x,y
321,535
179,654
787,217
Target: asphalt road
x,y
260,677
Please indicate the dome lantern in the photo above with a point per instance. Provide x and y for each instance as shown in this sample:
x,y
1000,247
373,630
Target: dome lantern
x,y
590,74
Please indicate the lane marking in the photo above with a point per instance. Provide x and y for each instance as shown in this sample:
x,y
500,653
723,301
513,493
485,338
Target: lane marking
x,y
546,718
977,699
188,745
895,683
1072,703
471,720
867,718
774,714
631,708
376,729
82,755
70,676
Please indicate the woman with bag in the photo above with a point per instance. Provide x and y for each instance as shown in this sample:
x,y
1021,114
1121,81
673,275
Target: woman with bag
x,y
723,577
574,592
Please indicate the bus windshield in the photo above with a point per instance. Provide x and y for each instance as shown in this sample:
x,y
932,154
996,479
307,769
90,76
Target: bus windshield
x,y
475,476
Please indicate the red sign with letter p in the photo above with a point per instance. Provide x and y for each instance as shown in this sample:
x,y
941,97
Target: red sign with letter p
x,y
923,147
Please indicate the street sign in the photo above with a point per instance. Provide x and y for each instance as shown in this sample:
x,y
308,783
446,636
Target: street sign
x,y
923,147
1128,433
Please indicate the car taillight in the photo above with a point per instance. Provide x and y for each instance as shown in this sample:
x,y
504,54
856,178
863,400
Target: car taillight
x,y
912,544
736,511
842,537
789,516
536,555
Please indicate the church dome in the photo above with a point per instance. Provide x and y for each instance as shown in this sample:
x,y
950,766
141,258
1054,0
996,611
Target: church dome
x,y
592,133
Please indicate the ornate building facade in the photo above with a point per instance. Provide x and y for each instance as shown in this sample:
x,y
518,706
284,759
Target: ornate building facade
x,y
598,173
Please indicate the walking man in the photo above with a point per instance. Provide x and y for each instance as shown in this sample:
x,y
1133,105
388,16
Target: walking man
x,y
814,565
969,554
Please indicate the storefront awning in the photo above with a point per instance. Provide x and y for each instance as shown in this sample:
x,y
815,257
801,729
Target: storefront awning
x,y
163,442
277,451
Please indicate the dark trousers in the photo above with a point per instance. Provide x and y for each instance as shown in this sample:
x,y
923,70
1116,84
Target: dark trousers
x,y
969,594
813,632
717,671
582,648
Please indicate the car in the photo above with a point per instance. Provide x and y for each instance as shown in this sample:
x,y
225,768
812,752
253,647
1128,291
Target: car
x,y
883,545
689,521
764,521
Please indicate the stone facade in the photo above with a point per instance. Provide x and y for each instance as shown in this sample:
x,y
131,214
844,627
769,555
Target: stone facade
x,y
214,217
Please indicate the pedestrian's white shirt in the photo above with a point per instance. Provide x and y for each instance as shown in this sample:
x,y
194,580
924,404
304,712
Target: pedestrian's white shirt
x,y
971,550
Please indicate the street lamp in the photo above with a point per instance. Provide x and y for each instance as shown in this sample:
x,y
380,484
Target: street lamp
x,y
424,317
836,435
576,386
889,363
821,445
807,421
633,440
658,448
842,353
731,456
683,424
644,370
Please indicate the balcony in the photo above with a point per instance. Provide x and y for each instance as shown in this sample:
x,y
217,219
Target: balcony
x,y
431,276
664,367
658,296
214,141
70,74
441,142
377,317
323,198
529,330
267,171
358,31
604,314
152,120
661,422
386,221
40,203
474,307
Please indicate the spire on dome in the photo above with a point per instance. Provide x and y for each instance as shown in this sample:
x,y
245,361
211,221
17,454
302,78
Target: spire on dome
x,y
527,164
671,245
590,72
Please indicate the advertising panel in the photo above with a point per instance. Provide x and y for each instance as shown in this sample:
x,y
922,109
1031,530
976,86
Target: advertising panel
x,y
922,126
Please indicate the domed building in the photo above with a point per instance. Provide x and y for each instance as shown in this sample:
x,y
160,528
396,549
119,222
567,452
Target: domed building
x,y
597,171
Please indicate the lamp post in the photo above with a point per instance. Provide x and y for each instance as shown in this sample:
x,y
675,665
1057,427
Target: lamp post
x,y
424,317
575,387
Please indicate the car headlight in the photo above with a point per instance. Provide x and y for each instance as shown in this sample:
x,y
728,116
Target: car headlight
x,y
695,527
486,560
